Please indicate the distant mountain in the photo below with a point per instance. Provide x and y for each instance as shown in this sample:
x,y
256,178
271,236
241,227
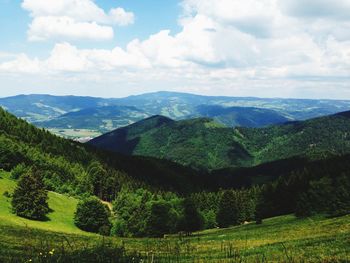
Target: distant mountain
x,y
205,144
66,115
241,116
102,119
45,107
178,105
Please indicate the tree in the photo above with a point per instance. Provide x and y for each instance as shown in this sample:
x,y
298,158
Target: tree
x,y
192,220
159,221
96,174
341,204
30,197
318,199
209,218
92,216
226,215
259,210
18,170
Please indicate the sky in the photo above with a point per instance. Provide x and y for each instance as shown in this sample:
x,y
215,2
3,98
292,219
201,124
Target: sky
x,y
116,48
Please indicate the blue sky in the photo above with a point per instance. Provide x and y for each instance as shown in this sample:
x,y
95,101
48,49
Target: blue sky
x,y
14,22
266,48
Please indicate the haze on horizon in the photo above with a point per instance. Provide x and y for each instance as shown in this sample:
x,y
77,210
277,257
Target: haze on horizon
x,y
101,48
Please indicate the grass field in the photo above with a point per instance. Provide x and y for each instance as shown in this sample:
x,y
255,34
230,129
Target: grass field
x,y
280,239
60,219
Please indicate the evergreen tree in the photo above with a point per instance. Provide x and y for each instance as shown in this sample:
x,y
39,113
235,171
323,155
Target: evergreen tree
x,y
30,197
97,174
341,204
18,170
226,215
92,216
159,221
192,220
318,199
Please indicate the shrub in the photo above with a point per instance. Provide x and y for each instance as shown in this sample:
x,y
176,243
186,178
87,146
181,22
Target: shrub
x,y
7,194
92,216
119,228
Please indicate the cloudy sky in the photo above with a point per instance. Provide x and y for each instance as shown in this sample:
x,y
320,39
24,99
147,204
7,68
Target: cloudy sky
x,y
114,48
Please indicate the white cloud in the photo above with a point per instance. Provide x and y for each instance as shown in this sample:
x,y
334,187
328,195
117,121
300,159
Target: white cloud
x,y
73,19
231,47
51,27
334,9
120,17
22,64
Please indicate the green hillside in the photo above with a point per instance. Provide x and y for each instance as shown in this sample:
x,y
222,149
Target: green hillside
x,y
205,144
281,239
59,220
65,164
153,197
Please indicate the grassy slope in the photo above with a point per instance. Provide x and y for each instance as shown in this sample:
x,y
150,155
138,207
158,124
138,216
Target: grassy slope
x,y
281,239
60,220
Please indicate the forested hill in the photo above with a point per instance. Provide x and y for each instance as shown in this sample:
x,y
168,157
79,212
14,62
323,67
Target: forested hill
x,y
71,167
204,144
242,116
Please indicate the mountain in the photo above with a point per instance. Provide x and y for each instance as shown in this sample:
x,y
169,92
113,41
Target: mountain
x,y
178,105
241,116
65,164
205,144
60,113
45,107
102,119
137,184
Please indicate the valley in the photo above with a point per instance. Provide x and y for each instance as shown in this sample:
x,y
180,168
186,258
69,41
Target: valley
x,y
182,131
203,143
252,194
100,115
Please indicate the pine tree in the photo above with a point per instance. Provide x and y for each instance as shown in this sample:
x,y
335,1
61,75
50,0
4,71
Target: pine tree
x,y
159,221
341,201
192,220
226,215
30,197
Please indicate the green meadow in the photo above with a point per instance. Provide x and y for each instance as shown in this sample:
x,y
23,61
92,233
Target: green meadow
x,y
279,239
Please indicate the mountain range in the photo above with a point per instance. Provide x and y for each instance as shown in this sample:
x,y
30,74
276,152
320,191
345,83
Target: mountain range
x,y
76,117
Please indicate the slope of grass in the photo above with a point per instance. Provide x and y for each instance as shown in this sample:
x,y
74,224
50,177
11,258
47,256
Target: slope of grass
x,y
60,219
279,239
